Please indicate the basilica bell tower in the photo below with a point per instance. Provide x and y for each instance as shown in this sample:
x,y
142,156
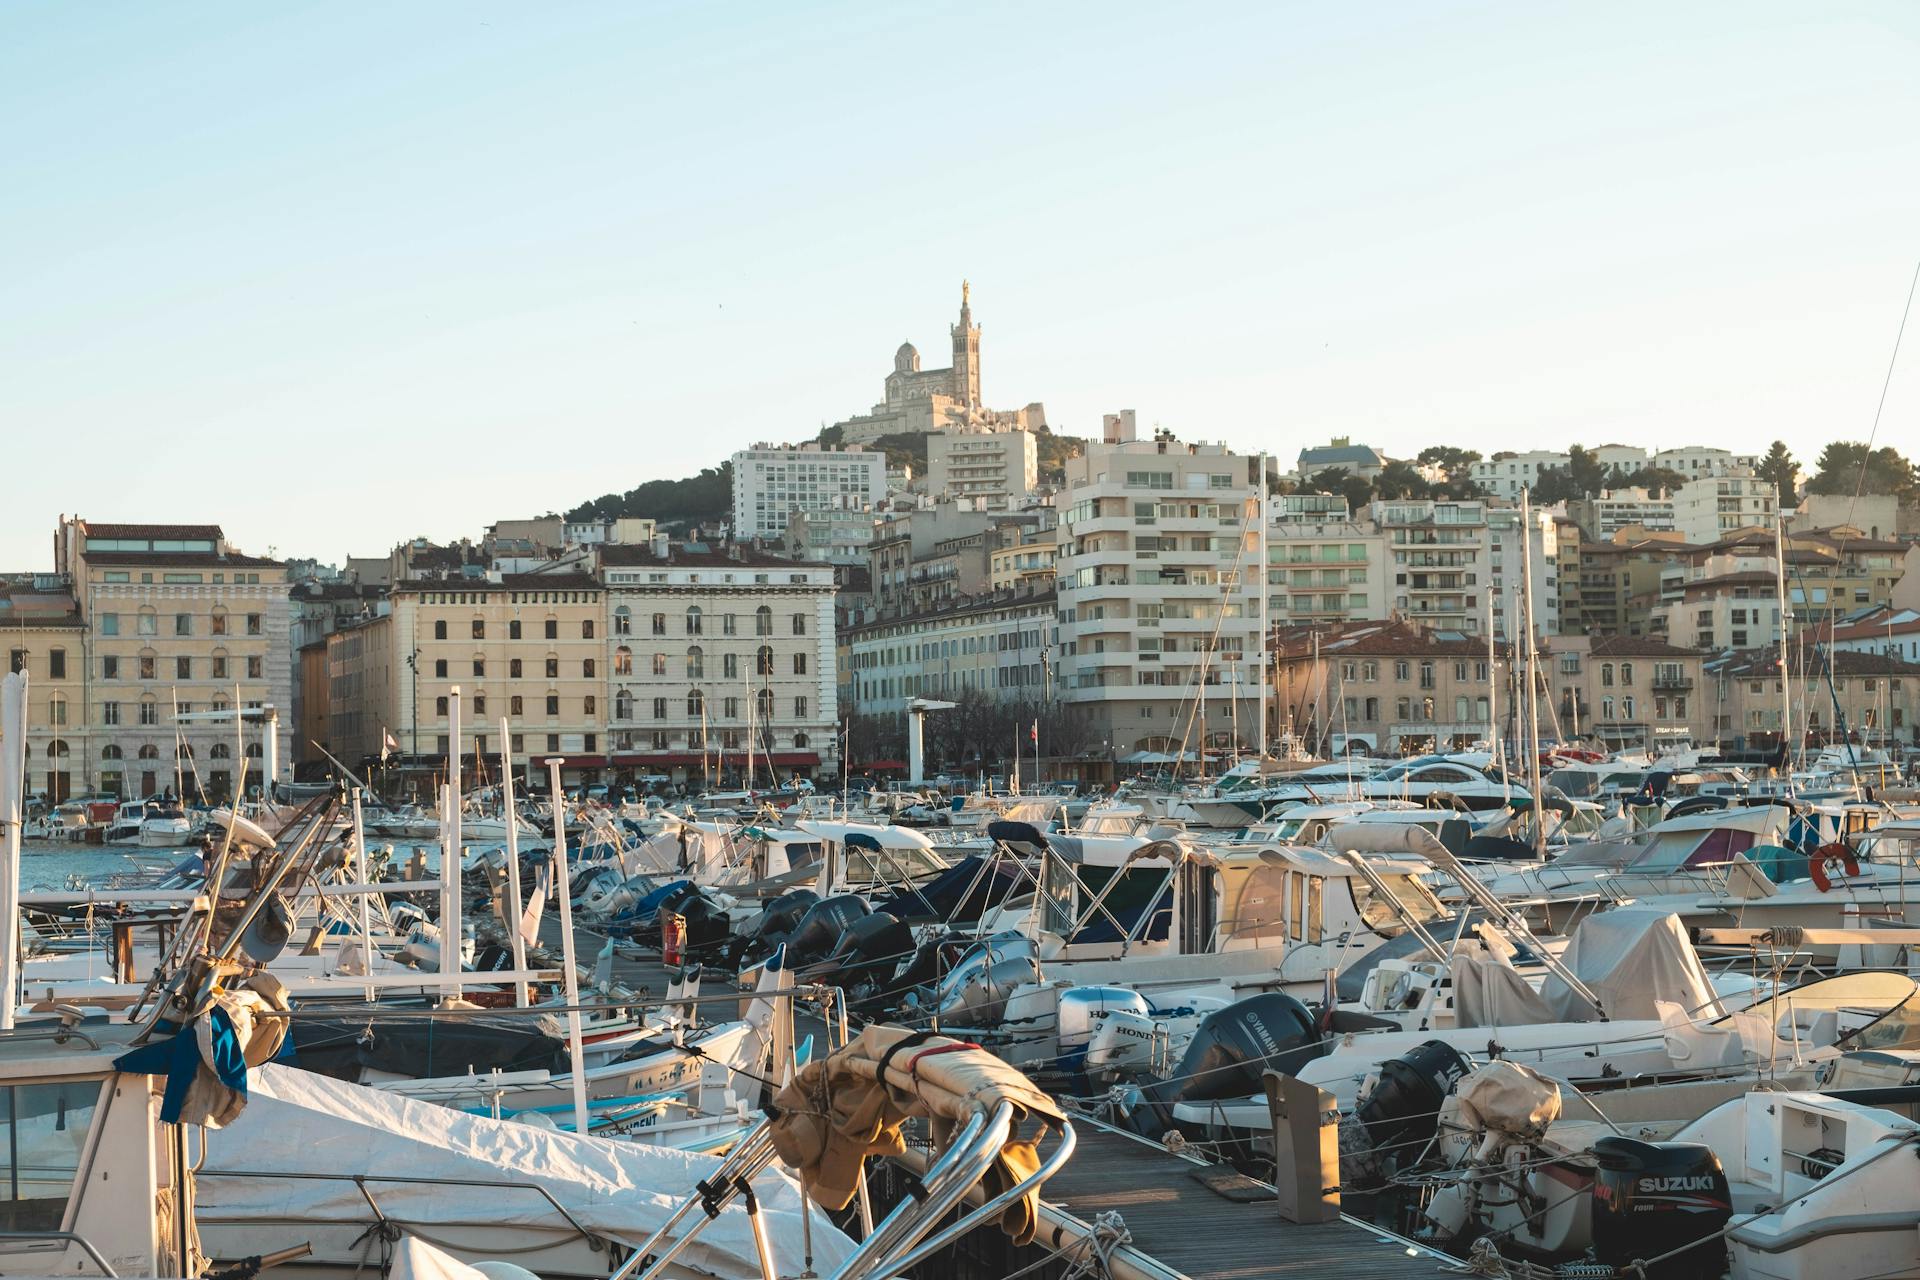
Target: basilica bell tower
x,y
966,353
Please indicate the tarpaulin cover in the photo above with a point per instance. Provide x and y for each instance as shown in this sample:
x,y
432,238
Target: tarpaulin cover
x,y
941,897
422,1047
1632,958
300,1123
1489,992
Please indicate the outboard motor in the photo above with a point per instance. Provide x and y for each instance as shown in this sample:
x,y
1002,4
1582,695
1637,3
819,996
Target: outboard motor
x,y
772,927
1401,1112
1650,1198
1228,1055
705,925
646,913
820,928
975,993
870,952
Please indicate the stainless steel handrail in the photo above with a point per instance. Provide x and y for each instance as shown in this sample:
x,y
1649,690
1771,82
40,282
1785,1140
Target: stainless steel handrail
x,y
986,1212
964,1163
64,1237
360,1180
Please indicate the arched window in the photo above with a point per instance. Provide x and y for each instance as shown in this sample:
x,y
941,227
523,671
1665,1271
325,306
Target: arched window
x,y
57,748
184,751
623,621
763,621
799,739
149,752
110,752
763,660
696,663
696,702
623,661
765,699
1626,707
220,751
623,705
1606,675
693,619
253,751
1626,673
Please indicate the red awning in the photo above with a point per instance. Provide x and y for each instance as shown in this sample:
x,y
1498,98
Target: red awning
x,y
793,758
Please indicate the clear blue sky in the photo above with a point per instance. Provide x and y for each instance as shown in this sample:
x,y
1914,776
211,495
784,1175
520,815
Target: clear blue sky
x,y
334,275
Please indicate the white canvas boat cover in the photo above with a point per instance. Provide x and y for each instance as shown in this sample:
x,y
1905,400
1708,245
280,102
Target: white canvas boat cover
x,y
1489,992
415,1259
1633,959
297,1122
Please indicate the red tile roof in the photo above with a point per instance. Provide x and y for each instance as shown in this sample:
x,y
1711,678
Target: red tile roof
x,y
182,531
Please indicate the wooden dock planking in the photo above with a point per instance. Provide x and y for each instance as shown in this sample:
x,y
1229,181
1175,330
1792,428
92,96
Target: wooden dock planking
x,y
1190,1229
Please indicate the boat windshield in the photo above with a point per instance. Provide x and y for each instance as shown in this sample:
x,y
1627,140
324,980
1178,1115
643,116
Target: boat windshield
x,y
1691,850
1874,1010
1381,916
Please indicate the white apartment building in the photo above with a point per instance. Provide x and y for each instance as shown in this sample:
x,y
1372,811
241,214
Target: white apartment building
x,y
1323,565
1712,507
1159,593
1440,561
1505,564
1505,475
1612,510
988,644
700,640
1695,460
770,483
999,469
837,535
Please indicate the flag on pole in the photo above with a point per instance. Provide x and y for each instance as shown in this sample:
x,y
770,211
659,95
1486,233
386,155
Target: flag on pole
x,y
1033,734
530,918
388,744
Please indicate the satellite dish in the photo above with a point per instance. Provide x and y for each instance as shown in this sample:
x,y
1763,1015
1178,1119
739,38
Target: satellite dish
x,y
267,936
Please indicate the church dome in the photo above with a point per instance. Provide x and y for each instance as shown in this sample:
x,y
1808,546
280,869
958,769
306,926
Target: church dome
x,y
906,359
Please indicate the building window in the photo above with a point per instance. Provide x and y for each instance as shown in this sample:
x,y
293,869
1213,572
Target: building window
x,y
183,668
110,713
693,619
1401,670
799,664
696,664
659,708
726,624
479,668
513,629
57,710
730,708
514,706
623,661
147,664
623,621
730,666
659,739
440,706
553,628
586,629
149,623
801,739
593,742
109,668
763,621
513,668
659,624
183,624
479,628
696,704
553,742
219,661
799,710
586,668
253,624
623,705
256,666
764,703
764,660
1606,677
553,668
519,741
799,624
590,705
440,668
480,709
553,705
109,624
149,712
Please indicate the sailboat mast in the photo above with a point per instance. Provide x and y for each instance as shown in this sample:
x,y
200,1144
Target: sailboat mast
x,y
1786,619
1533,687
1262,633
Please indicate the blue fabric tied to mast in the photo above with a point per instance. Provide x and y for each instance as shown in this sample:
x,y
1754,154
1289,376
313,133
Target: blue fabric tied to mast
x,y
178,1059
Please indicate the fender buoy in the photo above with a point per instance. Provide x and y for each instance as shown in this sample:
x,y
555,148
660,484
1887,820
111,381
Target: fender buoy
x,y
1831,854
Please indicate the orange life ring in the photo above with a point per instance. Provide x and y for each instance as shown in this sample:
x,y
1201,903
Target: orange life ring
x,y
1831,853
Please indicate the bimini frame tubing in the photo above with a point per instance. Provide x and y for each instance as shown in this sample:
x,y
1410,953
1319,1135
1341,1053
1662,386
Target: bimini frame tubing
x,y
743,1164
965,1161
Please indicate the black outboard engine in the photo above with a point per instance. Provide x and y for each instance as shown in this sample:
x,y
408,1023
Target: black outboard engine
x,y
1650,1198
1392,1122
776,921
870,952
820,928
708,927
1233,1047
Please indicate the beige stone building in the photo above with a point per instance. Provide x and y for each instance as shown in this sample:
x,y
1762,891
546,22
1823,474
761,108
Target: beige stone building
x,y
1389,685
1626,691
1877,696
997,469
44,637
176,624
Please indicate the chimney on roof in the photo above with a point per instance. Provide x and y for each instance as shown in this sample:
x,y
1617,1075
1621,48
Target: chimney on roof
x,y
662,546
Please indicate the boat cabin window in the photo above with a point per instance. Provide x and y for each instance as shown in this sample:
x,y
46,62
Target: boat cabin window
x,y
1691,850
1380,916
46,1132
1072,887
889,866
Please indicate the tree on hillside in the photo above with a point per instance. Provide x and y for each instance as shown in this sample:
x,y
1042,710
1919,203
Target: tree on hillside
x,y
1401,480
707,496
1457,463
1846,467
1357,490
1660,482
1555,485
1779,467
1585,472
